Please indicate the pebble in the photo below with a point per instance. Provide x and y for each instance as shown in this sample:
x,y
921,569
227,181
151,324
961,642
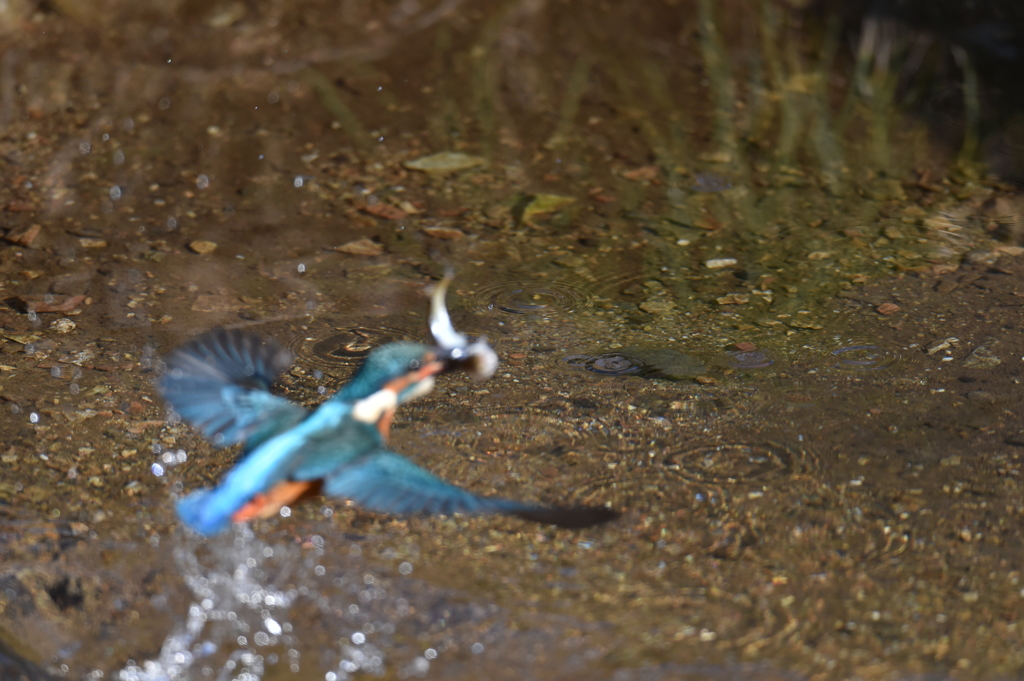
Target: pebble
x,y
203,247
733,299
571,261
983,356
543,204
644,173
361,247
62,325
24,236
940,345
716,263
887,308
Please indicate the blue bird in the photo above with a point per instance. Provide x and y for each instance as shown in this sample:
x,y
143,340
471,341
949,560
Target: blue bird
x,y
220,384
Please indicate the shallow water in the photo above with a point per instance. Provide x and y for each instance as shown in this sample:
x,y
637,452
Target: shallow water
x,y
751,271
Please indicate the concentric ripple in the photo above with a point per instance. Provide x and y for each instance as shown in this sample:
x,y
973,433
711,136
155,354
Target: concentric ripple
x,y
630,484
646,362
336,345
862,356
732,463
609,364
750,359
877,542
705,406
535,298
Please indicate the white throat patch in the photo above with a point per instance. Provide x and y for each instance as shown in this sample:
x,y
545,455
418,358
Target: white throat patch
x,y
371,409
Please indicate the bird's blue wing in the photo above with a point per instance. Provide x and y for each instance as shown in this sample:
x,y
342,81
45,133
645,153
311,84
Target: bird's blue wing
x,y
326,440
387,482
219,383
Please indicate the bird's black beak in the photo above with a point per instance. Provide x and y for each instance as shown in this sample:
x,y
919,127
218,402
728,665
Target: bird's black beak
x,y
477,359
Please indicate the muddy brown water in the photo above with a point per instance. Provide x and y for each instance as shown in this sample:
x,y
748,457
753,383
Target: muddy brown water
x,y
740,289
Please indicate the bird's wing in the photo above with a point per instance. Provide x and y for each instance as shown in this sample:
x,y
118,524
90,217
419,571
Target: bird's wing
x,y
326,441
387,482
220,381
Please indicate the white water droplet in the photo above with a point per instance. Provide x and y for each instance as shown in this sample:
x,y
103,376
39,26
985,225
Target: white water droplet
x,y
271,625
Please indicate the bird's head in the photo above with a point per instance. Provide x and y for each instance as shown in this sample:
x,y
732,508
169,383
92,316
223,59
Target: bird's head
x,y
404,367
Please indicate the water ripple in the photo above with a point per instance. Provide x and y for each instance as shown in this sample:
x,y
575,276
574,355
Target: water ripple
x,y
861,356
535,298
609,364
750,359
328,344
507,433
646,362
732,463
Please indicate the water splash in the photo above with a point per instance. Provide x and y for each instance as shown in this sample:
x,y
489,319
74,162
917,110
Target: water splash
x,y
259,607
233,606
535,298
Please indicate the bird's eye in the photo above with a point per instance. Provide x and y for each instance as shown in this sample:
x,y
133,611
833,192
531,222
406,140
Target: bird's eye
x,y
414,365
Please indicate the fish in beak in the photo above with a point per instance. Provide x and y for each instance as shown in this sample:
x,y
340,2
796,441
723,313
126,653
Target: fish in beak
x,y
476,358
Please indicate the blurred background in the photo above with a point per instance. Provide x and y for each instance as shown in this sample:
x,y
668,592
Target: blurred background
x,y
752,268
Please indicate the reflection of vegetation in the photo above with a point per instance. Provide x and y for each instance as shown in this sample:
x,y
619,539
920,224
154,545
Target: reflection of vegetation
x,y
768,101
335,103
772,136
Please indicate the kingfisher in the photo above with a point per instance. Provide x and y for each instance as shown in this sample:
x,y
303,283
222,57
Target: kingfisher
x,y
220,383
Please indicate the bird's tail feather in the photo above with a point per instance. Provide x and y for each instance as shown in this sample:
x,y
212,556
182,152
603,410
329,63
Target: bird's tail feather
x,y
572,517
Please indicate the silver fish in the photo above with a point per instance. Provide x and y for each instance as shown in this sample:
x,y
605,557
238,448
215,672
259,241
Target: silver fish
x,y
477,357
